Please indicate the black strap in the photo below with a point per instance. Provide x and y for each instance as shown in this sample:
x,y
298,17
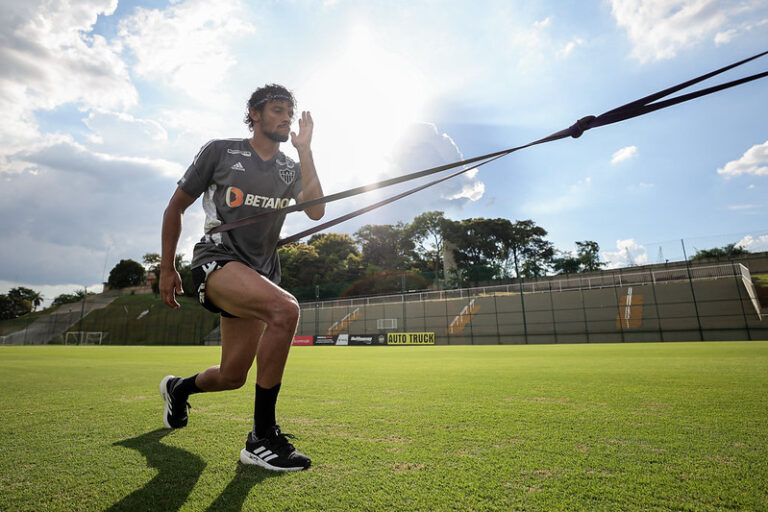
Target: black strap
x,y
343,218
353,192
633,109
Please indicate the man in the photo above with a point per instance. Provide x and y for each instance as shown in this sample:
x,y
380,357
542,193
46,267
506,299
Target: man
x,y
236,273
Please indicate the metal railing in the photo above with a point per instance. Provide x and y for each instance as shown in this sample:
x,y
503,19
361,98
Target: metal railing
x,y
567,283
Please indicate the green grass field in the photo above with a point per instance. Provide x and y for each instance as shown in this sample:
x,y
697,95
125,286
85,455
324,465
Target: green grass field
x,y
673,426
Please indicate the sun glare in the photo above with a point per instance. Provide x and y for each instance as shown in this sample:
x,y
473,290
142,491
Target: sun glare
x,y
362,99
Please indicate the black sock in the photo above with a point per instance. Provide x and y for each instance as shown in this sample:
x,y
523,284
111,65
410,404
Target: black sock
x,y
264,410
187,387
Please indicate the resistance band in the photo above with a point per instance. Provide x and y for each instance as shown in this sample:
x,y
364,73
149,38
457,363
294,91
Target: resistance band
x,y
634,109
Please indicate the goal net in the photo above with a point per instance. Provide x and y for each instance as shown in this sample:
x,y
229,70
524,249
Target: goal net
x,y
84,338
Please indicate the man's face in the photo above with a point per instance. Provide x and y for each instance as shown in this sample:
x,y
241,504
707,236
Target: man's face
x,y
275,120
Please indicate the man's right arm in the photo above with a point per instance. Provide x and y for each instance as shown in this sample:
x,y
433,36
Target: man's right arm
x,y
170,281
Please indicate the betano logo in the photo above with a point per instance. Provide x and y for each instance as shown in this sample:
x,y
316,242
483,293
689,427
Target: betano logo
x,y
235,197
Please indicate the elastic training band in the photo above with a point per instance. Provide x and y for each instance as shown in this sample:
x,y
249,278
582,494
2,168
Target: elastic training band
x,y
633,109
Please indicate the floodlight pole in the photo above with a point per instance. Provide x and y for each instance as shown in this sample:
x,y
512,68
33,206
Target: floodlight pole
x,y
82,313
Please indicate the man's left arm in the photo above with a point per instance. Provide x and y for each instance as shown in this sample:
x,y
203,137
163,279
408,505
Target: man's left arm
x,y
310,184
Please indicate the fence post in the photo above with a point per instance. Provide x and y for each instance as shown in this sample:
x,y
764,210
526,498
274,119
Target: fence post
x,y
82,313
522,310
552,308
447,325
618,306
496,312
693,292
584,312
656,304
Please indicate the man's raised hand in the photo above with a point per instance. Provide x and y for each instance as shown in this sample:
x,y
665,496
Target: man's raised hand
x,y
304,138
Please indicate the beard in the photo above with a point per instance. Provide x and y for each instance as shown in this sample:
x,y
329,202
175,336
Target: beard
x,y
275,136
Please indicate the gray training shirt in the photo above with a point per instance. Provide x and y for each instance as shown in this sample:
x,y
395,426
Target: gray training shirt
x,y
237,183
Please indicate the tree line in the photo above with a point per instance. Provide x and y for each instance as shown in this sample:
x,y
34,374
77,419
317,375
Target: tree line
x,y
386,258
379,258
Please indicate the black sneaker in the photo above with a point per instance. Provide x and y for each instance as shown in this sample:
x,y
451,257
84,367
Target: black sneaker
x,y
274,452
175,414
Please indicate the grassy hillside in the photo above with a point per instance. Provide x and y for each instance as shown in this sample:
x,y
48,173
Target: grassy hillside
x,y
145,320
17,324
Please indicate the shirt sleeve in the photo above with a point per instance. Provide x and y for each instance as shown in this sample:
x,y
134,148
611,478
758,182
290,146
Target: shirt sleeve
x,y
200,173
297,183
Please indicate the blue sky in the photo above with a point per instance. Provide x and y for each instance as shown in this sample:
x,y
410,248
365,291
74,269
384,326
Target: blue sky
x,y
105,104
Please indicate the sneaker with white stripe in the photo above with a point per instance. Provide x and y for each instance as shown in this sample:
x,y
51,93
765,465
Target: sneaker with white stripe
x,y
274,452
175,412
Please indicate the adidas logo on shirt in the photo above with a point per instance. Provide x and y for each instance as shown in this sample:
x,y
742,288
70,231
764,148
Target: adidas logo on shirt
x,y
238,167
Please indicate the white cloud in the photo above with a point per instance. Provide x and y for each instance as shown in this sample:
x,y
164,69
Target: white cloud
x,y
729,35
754,244
725,37
49,58
754,161
628,253
658,29
742,207
566,50
423,146
69,205
187,44
624,154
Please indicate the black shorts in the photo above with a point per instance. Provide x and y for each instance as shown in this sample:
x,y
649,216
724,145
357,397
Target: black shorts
x,y
199,277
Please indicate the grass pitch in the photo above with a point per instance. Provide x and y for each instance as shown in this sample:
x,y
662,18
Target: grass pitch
x,y
557,427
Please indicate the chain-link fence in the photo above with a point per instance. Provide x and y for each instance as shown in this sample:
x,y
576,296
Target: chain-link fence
x,y
109,319
690,303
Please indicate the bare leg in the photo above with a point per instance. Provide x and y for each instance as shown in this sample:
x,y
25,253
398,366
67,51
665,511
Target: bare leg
x,y
257,301
239,342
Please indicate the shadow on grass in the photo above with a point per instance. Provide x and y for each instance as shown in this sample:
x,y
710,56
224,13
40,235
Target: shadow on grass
x,y
177,473
232,498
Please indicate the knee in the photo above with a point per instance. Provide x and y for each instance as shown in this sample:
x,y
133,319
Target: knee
x,y
232,380
285,315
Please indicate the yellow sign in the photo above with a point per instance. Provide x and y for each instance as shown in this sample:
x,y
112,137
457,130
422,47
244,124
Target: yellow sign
x,y
410,338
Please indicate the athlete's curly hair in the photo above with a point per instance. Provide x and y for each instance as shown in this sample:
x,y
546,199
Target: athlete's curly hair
x,y
262,95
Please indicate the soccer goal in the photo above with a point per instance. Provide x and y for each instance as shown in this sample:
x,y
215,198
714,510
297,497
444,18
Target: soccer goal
x,y
84,338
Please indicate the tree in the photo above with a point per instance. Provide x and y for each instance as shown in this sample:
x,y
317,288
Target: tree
x,y
566,264
337,245
68,298
589,255
26,299
126,273
299,264
8,308
587,259
184,268
385,246
151,262
728,251
426,231
525,246
478,248
338,258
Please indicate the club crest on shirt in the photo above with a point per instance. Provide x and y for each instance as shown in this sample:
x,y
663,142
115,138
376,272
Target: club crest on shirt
x,y
287,175
286,169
